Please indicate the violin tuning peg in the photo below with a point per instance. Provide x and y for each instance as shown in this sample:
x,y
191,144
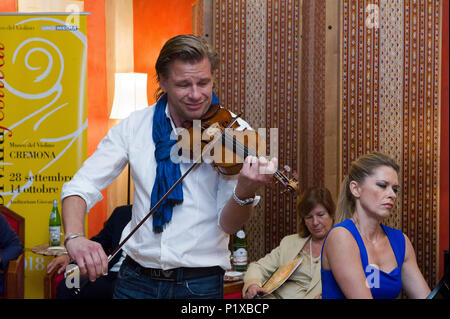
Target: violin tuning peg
x,y
287,168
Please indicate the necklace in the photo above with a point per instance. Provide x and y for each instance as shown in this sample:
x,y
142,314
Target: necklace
x,y
310,257
311,262
373,242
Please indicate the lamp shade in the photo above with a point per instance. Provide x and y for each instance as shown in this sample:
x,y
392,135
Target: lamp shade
x,y
130,94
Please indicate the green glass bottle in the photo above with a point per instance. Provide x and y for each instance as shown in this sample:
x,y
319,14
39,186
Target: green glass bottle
x,y
55,225
240,256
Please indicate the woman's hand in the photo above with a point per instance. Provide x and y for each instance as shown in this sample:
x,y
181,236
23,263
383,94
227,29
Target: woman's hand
x,y
61,262
254,291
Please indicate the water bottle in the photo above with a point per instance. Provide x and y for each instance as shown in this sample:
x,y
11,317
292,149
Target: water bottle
x,y
240,255
55,226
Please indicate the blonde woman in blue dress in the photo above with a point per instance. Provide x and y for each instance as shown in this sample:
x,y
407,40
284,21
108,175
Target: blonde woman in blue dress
x,y
362,258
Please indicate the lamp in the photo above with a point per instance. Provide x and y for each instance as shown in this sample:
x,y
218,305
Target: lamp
x,y
130,94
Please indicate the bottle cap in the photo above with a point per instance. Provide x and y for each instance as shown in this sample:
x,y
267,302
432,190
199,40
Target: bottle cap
x,y
55,203
240,234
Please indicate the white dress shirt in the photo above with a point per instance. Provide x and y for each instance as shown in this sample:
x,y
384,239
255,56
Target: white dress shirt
x,y
193,238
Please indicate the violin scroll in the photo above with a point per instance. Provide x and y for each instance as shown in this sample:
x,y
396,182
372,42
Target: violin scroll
x,y
289,182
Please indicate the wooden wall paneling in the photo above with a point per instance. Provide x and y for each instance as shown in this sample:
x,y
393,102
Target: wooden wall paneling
x,y
197,17
255,100
312,108
282,46
331,100
443,220
202,19
258,43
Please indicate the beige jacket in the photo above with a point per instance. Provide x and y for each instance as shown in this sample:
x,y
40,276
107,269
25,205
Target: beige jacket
x,y
290,246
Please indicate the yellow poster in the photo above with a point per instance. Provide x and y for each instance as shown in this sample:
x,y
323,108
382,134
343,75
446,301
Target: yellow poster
x,y
43,121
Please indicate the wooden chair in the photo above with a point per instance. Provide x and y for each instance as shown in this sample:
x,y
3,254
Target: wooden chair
x,y
51,282
15,272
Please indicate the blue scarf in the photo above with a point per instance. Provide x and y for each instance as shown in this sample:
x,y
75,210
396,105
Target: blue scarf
x,y
167,172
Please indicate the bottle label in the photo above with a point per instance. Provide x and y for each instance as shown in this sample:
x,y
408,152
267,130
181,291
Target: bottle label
x,y
55,234
240,257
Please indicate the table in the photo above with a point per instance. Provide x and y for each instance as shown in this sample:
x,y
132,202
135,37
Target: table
x,y
233,289
47,250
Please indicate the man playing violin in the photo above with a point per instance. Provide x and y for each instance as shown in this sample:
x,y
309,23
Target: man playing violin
x,y
182,250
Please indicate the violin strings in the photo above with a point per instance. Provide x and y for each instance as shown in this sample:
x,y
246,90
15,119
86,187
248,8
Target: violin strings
x,y
242,148
245,149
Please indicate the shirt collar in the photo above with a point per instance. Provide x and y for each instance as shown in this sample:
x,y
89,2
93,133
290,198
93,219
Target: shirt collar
x,y
170,118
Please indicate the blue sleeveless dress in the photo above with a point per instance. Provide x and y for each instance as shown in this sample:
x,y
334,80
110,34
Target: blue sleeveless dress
x,y
382,285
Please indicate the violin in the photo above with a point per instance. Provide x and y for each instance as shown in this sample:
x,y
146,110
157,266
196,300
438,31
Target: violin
x,y
215,139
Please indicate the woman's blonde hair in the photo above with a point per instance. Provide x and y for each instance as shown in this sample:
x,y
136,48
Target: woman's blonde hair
x,y
306,203
186,48
361,168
